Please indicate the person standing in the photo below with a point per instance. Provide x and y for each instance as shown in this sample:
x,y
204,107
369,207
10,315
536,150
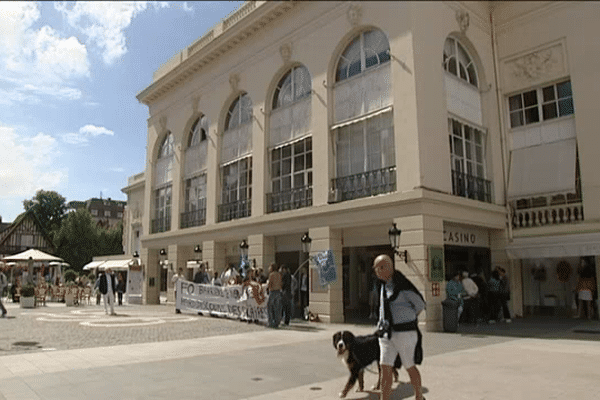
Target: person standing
x,y
398,327
107,288
286,299
121,288
176,278
494,293
504,293
3,284
303,291
274,303
470,298
586,286
454,291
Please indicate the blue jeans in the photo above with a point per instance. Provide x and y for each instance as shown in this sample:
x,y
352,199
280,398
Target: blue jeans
x,y
274,308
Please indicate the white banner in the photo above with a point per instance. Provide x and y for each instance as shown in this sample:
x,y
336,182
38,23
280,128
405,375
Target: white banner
x,y
224,301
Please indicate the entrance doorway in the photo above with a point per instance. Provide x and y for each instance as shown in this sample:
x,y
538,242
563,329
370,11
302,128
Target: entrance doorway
x,y
359,281
471,259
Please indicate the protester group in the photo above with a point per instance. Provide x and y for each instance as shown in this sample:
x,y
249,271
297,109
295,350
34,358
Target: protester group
x,y
282,291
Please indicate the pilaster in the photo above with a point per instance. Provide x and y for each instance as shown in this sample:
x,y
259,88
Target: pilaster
x,y
328,301
418,233
262,249
151,287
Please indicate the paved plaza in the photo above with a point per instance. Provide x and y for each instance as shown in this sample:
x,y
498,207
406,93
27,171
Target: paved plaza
x,y
149,352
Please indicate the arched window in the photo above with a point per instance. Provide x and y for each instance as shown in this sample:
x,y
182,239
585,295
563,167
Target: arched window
x,y
236,161
458,62
163,186
363,127
240,112
195,175
290,143
294,86
368,49
166,147
198,131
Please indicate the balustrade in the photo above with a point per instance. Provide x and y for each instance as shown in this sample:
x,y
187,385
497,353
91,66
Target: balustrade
x,y
289,199
365,184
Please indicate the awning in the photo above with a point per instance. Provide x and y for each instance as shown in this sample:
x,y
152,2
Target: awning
x,y
545,169
92,265
362,118
115,265
575,245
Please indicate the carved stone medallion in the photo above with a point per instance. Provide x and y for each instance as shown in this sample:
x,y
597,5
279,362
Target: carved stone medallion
x,y
462,17
234,81
286,52
354,14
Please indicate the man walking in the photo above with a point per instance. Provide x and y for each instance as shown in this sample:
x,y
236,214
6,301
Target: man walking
x,y
398,327
107,288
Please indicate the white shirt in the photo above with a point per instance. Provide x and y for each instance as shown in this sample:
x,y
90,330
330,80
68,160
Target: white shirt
x,y
108,284
470,287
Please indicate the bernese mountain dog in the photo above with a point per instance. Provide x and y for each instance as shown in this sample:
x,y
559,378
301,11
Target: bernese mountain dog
x,y
357,353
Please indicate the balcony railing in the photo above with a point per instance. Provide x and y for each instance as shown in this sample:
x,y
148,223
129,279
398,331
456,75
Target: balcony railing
x,y
194,218
161,224
289,199
365,184
547,210
235,210
472,187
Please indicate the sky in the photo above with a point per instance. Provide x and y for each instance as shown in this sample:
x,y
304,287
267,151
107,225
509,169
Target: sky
x,y
69,76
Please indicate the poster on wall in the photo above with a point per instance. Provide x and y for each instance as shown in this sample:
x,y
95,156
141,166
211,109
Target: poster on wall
x,y
223,301
135,281
436,264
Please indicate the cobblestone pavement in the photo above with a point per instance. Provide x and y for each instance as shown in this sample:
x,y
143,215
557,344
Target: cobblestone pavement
x,y
57,327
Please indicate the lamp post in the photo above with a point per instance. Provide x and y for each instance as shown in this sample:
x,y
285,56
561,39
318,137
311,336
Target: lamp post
x,y
306,241
198,252
394,234
244,248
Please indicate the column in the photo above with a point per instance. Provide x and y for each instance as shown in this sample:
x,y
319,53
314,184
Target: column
x,y
418,233
214,253
151,288
498,243
328,301
262,249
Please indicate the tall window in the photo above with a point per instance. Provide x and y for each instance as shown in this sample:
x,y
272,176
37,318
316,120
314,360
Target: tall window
x,y
363,123
291,149
195,175
541,104
458,62
163,184
236,161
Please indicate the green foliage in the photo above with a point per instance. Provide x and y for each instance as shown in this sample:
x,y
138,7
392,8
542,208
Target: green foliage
x,y
70,275
50,209
28,290
79,239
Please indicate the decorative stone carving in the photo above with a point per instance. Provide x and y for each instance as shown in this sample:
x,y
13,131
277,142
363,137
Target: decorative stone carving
x,y
163,122
234,81
354,14
534,65
286,52
538,66
462,17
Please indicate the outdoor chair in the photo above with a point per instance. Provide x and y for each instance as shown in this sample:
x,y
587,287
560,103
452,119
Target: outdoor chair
x,y
86,294
40,295
17,296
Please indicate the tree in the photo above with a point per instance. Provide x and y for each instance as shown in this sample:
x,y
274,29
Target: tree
x,y
50,208
77,240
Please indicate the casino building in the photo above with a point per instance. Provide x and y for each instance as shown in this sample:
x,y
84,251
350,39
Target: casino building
x,y
471,126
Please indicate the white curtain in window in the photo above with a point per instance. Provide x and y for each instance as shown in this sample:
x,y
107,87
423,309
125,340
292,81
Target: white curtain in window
x,y
195,159
369,92
463,99
365,146
288,123
237,142
164,171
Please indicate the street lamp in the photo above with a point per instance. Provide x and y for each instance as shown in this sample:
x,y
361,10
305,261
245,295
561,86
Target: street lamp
x,y
394,234
306,240
198,252
136,254
244,248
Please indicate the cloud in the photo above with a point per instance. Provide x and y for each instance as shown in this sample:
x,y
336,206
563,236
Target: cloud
x,y
37,62
103,23
85,133
116,169
28,164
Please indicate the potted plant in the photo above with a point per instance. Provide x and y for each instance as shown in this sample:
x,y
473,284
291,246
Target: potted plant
x,y
27,296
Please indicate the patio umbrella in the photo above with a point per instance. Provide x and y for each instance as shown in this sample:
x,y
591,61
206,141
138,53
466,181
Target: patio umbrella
x,y
35,255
